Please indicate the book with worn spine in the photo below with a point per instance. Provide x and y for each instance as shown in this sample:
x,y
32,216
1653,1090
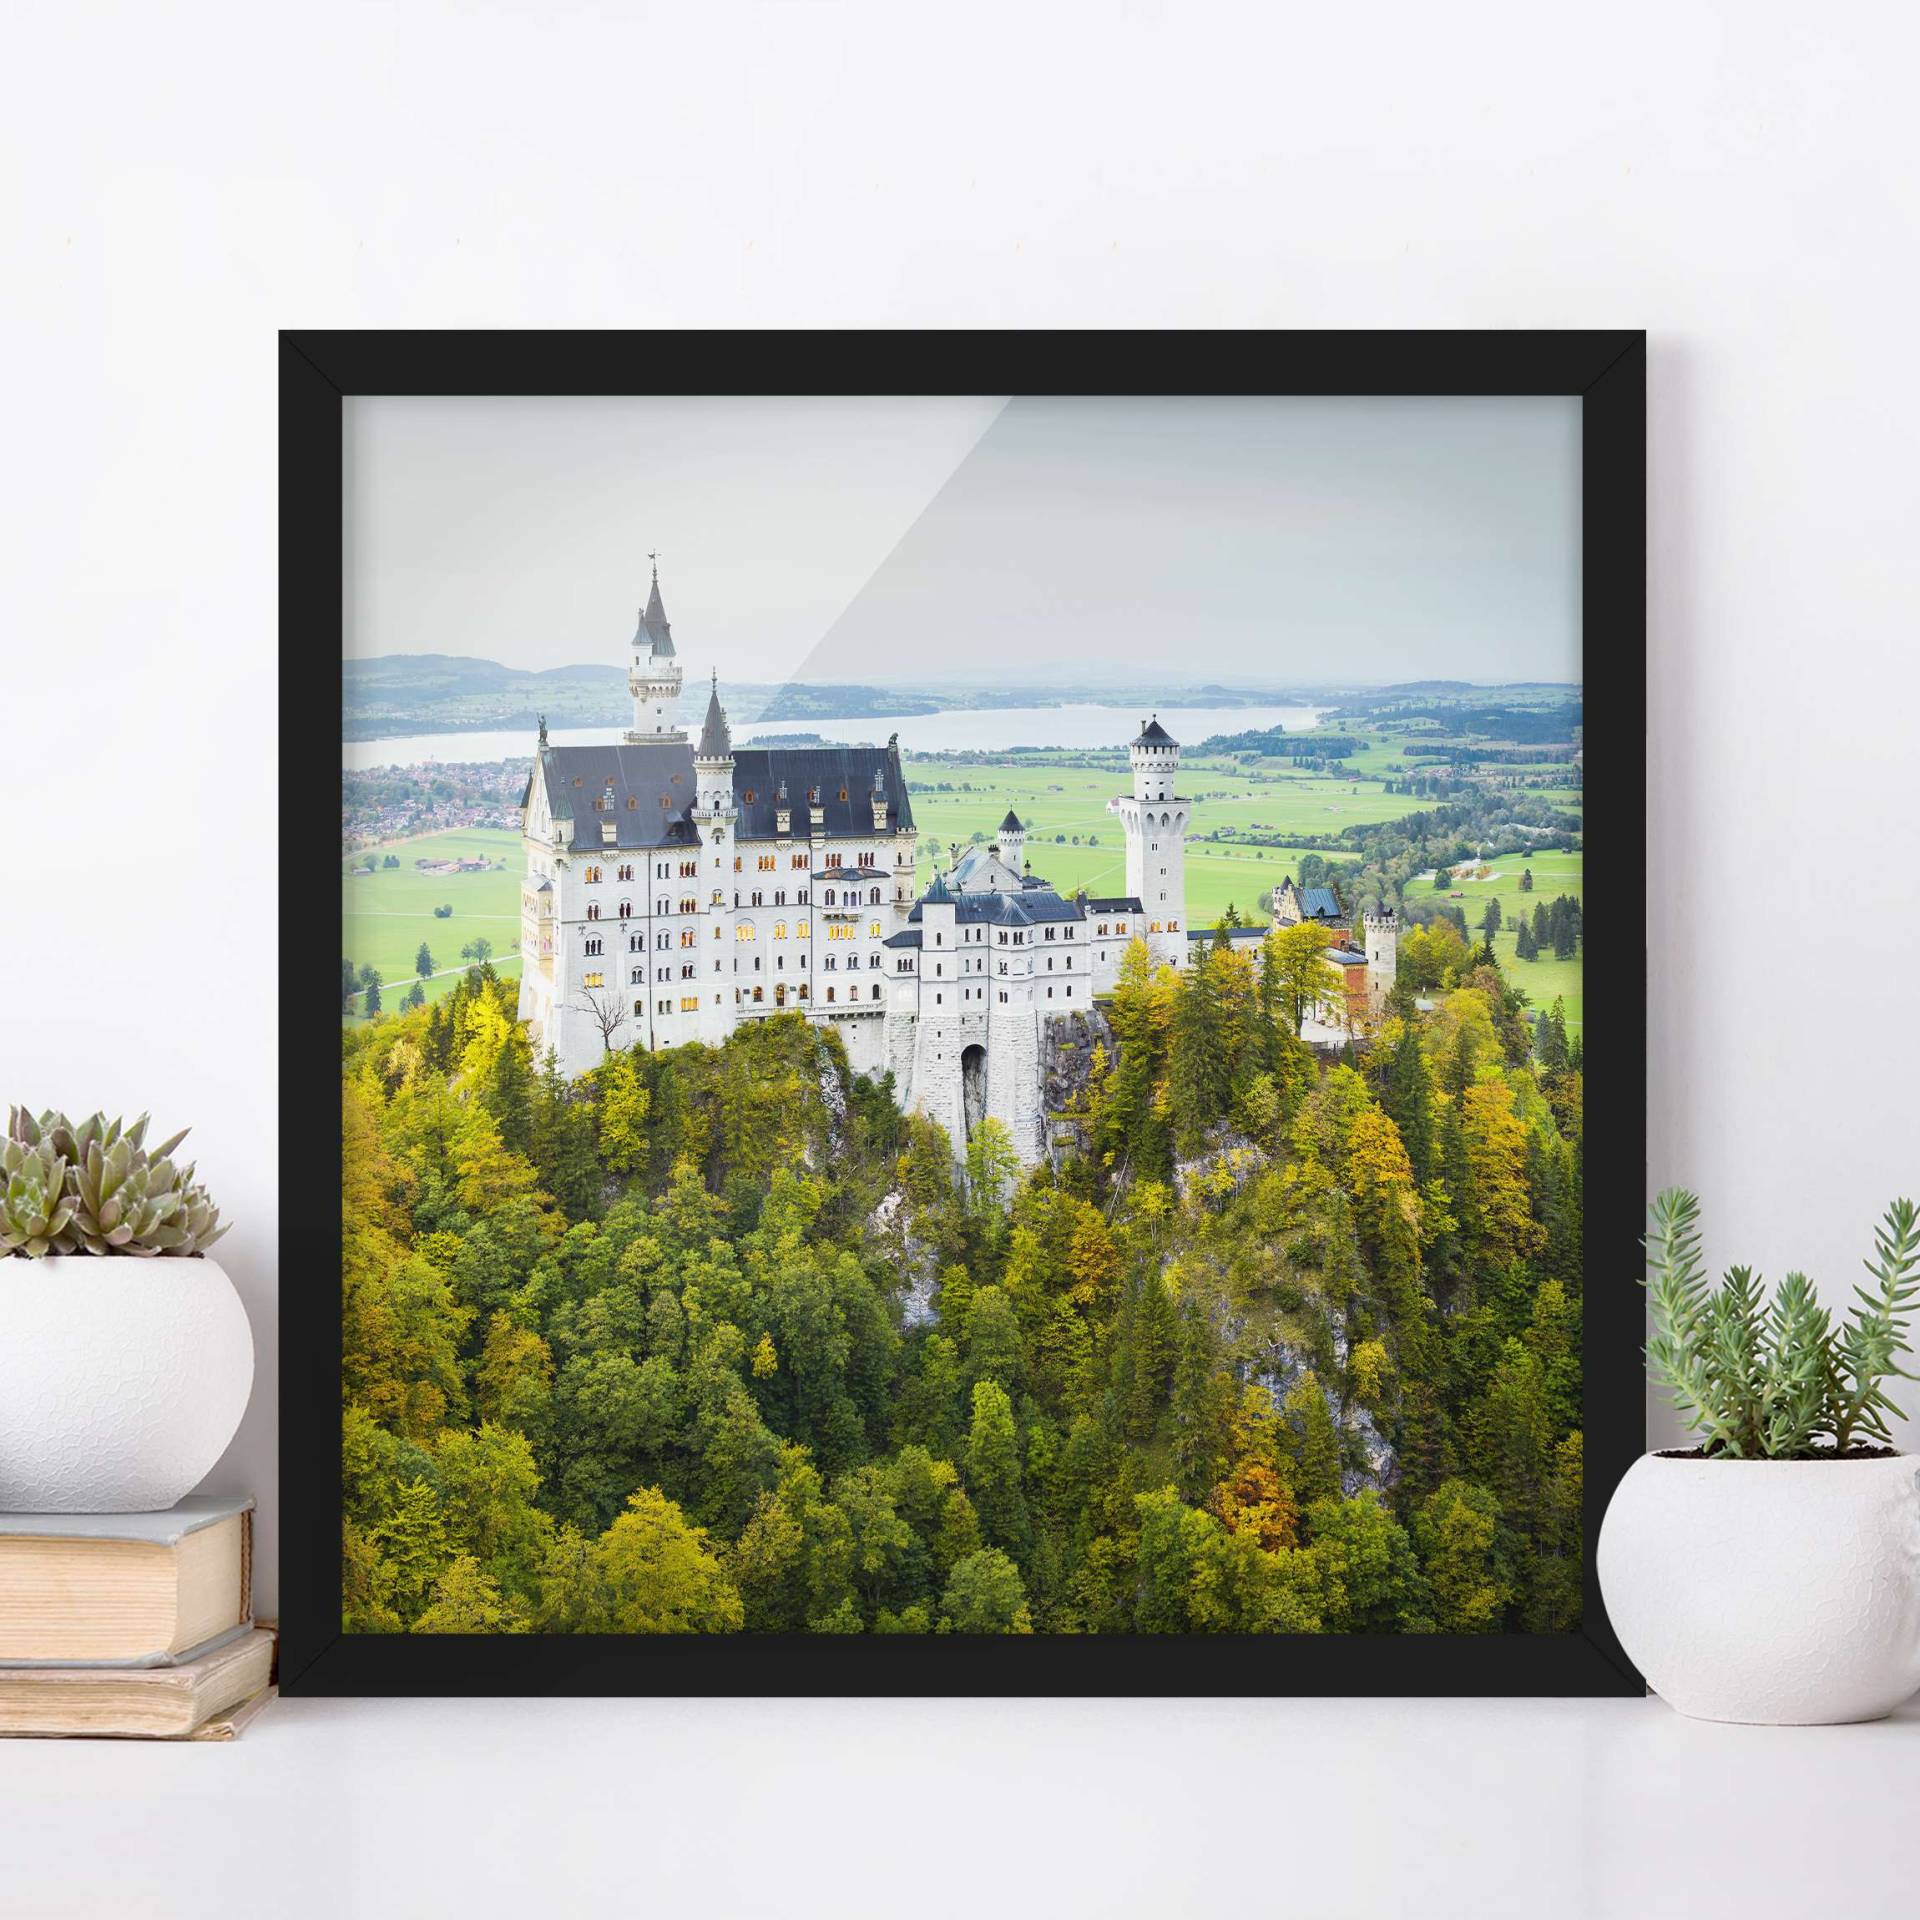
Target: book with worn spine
x,y
125,1589
211,1697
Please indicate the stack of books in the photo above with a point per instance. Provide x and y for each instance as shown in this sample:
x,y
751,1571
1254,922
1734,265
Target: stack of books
x,y
132,1624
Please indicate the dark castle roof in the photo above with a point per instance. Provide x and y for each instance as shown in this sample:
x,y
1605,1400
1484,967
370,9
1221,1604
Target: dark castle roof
x,y
1120,903
1011,824
1031,906
645,774
1153,734
1318,903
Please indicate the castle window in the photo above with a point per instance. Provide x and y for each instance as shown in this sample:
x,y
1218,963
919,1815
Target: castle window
x,y
843,793
779,896
779,929
690,1003
578,781
635,943
666,800
803,990
873,929
625,873
593,909
876,991
756,899
633,800
833,859
873,898
829,993
802,930
829,896
687,936
592,876
676,779
748,796
636,976
1069,993
938,998
768,861
639,1007
626,909
593,945
744,931
800,860
593,979
736,863
759,993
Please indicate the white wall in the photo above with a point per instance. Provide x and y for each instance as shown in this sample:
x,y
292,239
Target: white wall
x,y
1739,179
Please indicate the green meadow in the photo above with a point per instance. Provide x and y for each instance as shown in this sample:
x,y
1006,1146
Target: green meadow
x,y
1553,873
387,913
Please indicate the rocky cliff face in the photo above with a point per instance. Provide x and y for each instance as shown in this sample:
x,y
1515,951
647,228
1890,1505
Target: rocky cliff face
x,y
1066,1067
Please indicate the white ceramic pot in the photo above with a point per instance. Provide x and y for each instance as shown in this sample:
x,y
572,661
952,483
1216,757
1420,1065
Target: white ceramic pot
x,y
121,1381
1780,1592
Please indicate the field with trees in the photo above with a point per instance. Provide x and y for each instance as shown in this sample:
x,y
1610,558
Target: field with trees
x,y
388,915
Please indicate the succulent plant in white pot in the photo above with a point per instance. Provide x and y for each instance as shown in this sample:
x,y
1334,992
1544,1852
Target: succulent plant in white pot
x,y
1772,1574
125,1355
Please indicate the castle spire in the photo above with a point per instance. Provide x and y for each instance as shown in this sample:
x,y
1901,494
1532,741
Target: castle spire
x,y
653,617
716,738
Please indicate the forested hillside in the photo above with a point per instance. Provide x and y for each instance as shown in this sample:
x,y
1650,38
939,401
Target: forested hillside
x,y
717,1340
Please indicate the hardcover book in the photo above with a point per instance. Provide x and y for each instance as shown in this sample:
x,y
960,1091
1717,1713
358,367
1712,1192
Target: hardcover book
x,y
125,1589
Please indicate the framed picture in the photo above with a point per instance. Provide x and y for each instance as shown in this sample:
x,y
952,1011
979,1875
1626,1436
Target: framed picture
x,y
970,1050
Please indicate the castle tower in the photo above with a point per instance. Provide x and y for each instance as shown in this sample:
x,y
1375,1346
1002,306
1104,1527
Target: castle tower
x,y
1383,958
1013,842
941,1062
714,813
653,678
1155,819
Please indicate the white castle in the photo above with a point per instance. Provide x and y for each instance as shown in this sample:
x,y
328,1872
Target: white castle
x,y
674,891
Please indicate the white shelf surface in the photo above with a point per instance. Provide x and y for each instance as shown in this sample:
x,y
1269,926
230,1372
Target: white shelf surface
x,y
982,1809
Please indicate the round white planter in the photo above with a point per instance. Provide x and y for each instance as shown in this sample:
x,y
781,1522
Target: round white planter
x,y
121,1381
1778,1592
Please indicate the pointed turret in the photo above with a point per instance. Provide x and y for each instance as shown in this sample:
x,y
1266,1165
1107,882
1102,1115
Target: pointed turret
x,y
653,619
1013,840
653,677
716,738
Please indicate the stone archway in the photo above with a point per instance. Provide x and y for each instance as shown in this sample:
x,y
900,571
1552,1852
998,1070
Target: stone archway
x,y
973,1086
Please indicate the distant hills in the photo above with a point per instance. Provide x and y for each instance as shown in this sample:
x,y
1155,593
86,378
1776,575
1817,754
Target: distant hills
x,y
401,693
406,693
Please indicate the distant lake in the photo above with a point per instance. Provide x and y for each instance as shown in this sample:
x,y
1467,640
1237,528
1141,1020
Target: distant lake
x,y
973,730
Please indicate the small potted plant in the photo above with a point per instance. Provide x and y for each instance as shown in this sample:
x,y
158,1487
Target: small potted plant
x,y
1772,1573
125,1355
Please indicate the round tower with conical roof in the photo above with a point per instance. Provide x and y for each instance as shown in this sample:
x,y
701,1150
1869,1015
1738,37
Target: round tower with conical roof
x,y
1155,820
653,677
1012,841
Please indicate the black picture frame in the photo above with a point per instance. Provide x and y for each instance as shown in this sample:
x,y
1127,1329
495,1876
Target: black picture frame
x,y
318,370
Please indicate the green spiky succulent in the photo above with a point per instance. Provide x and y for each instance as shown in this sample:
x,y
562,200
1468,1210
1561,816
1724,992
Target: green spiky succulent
x,y
1777,1381
36,1211
93,1186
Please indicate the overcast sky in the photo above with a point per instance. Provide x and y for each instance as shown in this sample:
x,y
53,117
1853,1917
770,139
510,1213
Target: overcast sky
x,y
1280,540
